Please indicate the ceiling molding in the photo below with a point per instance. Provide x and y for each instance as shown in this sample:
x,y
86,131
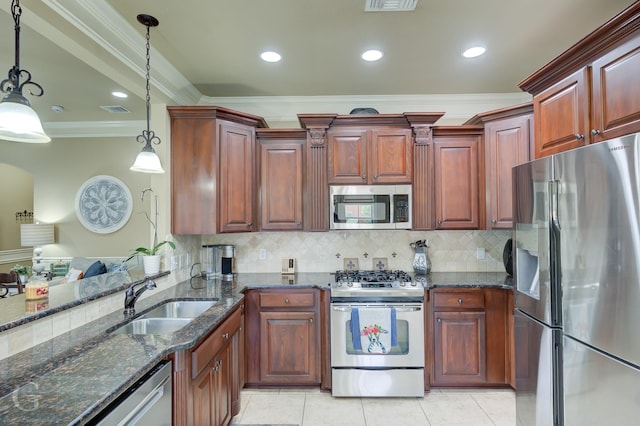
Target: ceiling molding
x,y
98,21
458,107
94,129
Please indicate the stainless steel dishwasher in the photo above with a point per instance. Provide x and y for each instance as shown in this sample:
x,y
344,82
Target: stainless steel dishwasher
x,y
148,402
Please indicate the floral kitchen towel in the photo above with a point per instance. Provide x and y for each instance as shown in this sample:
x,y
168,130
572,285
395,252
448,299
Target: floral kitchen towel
x,y
374,329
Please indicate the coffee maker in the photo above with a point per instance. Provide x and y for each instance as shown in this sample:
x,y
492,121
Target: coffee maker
x,y
218,261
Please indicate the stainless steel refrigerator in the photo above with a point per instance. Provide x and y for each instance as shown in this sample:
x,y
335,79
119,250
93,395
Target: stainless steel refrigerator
x,y
577,271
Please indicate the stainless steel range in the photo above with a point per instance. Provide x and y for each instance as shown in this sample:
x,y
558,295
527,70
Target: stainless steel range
x,y
377,334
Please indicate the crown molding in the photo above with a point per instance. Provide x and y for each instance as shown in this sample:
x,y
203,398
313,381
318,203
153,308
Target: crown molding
x,y
100,23
458,107
94,129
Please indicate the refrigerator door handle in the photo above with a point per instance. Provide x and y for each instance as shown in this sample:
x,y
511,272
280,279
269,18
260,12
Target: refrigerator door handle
x,y
555,269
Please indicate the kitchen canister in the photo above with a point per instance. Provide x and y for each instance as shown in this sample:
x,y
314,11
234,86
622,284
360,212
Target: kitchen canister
x,y
421,262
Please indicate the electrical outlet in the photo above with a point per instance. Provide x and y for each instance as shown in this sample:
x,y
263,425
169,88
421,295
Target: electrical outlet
x,y
262,254
174,263
480,254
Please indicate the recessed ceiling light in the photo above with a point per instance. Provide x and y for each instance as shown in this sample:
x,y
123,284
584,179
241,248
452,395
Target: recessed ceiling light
x,y
372,55
120,94
270,56
474,51
57,108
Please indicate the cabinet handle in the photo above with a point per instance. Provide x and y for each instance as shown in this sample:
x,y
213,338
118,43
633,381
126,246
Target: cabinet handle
x,y
459,301
286,300
595,132
225,336
579,136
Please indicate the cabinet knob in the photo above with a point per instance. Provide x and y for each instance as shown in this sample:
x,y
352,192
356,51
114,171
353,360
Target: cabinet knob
x,y
439,320
364,177
459,301
494,221
579,136
439,223
595,132
375,177
225,336
286,300
311,320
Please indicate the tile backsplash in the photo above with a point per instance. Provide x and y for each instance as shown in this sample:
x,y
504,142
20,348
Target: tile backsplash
x,y
449,251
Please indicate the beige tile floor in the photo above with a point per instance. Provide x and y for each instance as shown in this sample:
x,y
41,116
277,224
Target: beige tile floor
x,y
437,408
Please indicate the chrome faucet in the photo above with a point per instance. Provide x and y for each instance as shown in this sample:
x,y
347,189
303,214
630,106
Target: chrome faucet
x,y
131,296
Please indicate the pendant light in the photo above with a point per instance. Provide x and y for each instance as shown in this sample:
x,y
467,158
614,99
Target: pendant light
x,y
148,161
18,122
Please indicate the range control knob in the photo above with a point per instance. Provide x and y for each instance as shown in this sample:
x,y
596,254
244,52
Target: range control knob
x,y
414,283
402,284
350,284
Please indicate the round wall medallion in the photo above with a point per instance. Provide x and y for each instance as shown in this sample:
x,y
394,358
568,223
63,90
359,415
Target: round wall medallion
x,y
103,204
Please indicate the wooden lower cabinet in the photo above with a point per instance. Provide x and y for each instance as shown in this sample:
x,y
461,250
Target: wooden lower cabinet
x,y
283,337
469,337
207,378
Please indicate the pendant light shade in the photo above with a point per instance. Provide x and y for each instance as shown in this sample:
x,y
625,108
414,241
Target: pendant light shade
x,y
18,122
148,161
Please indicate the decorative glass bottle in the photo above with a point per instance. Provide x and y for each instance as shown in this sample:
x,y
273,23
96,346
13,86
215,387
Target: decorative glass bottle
x,y
421,262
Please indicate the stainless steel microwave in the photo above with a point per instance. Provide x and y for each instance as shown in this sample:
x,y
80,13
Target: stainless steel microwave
x,y
370,207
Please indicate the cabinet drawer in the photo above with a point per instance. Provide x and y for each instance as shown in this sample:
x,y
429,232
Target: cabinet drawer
x,y
472,299
201,356
298,299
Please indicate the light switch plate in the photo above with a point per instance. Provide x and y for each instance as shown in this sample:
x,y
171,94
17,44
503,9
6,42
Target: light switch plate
x,y
380,264
351,264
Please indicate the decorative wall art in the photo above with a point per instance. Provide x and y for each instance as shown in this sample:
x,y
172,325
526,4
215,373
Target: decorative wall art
x,y
103,204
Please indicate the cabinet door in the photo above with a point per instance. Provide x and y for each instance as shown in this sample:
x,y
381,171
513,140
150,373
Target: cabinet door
x,y
456,182
211,391
561,115
347,156
281,186
507,145
289,348
390,156
237,177
459,348
193,165
616,92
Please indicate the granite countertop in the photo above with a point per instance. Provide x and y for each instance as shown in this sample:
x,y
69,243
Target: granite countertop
x,y
71,378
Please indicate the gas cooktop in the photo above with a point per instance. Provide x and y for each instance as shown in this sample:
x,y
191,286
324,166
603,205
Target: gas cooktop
x,y
374,278
386,283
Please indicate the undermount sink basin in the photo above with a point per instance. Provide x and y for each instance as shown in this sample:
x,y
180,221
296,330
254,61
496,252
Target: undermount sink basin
x,y
153,326
180,309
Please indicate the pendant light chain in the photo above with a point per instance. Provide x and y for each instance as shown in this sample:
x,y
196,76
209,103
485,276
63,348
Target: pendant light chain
x,y
148,136
11,84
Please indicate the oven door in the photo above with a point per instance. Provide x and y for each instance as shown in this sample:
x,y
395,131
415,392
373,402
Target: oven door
x,y
409,352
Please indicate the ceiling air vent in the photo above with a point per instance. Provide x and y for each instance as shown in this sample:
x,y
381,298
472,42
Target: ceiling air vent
x,y
116,109
390,5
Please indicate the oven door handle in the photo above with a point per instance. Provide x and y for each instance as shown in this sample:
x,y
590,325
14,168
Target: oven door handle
x,y
343,308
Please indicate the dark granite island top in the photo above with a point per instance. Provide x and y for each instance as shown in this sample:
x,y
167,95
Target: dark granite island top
x,y
71,378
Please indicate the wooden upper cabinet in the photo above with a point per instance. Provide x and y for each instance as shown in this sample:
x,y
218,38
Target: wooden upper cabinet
x,y
237,177
281,171
194,167
390,156
213,163
369,156
347,156
616,92
506,146
508,140
561,115
457,180
591,92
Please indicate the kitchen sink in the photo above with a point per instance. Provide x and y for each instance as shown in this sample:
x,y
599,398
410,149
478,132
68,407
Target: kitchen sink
x,y
180,309
166,318
153,326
